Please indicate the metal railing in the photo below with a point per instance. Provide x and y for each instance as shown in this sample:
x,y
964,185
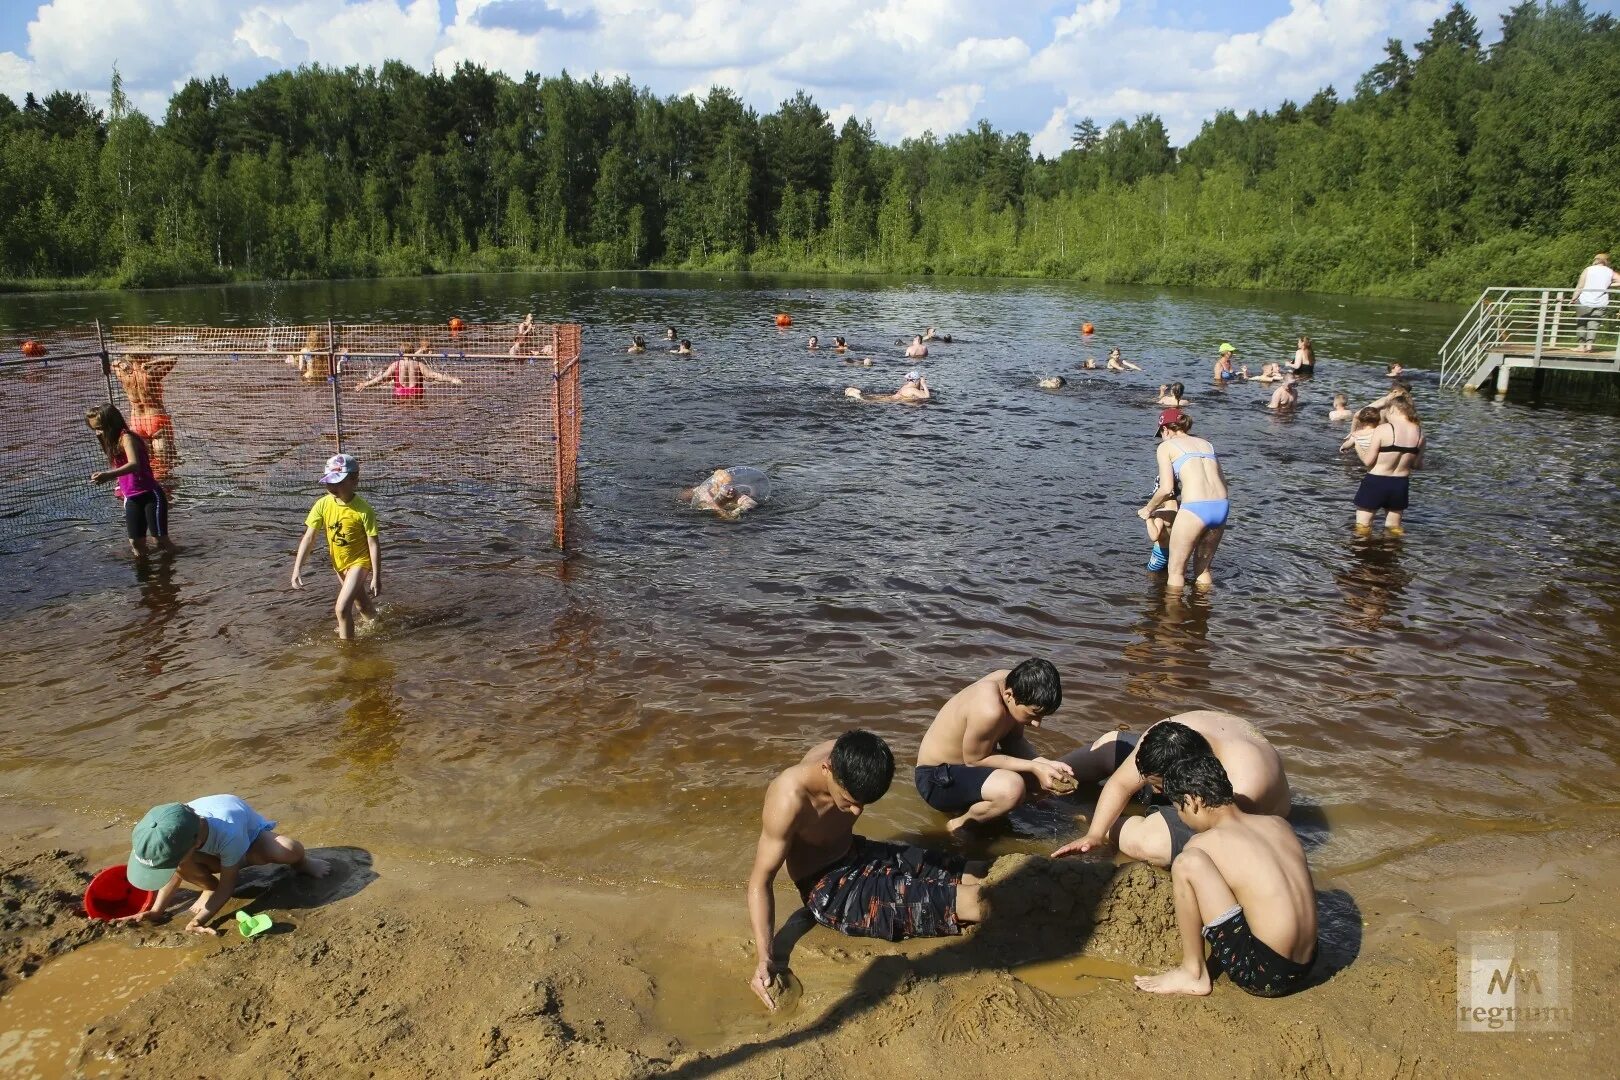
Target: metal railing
x,y
1530,327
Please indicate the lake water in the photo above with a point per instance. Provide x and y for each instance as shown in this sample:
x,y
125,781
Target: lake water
x,y
616,713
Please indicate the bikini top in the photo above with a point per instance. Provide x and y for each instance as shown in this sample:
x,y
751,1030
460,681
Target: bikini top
x,y
1175,465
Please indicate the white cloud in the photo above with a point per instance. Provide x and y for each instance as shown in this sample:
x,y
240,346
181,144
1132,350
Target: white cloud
x,y
908,65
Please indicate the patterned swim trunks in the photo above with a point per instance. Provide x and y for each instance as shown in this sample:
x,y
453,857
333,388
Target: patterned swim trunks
x,y
1250,963
889,891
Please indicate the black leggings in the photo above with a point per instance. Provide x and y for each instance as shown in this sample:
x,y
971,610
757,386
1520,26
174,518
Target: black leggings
x,y
147,514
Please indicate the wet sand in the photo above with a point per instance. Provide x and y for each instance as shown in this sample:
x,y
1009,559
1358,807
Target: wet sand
x,y
402,967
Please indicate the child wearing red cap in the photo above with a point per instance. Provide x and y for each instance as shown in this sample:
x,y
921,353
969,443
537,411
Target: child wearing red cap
x,y
350,525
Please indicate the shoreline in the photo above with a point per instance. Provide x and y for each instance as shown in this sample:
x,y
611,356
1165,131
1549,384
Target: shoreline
x,y
445,968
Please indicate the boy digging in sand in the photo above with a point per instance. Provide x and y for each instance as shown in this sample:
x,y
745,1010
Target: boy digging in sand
x,y
205,843
350,525
976,761
856,886
1243,885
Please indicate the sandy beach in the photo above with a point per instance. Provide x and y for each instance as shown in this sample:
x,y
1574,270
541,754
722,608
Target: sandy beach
x,y
394,967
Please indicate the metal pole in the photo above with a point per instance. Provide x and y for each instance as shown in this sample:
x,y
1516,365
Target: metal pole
x,y
559,533
337,388
106,362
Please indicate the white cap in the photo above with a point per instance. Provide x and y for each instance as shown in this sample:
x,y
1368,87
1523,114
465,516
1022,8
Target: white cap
x,y
913,375
338,468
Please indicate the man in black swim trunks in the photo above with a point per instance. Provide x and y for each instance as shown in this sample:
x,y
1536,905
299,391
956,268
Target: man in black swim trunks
x,y
856,886
1243,885
976,761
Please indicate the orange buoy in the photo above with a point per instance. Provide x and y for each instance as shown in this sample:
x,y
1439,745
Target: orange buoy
x,y
33,349
1087,329
784,320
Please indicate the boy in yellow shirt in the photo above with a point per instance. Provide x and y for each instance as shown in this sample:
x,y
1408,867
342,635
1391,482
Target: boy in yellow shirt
x,y
350,526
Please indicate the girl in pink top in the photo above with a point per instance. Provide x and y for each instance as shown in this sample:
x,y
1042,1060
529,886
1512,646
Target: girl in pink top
x,y
146,507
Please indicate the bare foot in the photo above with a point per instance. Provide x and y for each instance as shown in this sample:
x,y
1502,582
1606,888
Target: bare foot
x,y
1205,580
1175,981
313,867
196,910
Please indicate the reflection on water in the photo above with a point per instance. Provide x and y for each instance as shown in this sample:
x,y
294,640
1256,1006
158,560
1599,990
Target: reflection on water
x,y
618,712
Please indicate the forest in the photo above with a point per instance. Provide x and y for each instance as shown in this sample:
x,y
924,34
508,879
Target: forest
x,y
1449,166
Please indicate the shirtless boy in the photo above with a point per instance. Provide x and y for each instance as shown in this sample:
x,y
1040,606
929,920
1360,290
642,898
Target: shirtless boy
x,y
1252,763
976,761
856,886
1243,885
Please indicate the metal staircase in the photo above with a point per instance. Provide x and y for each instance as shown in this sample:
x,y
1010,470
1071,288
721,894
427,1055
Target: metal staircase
x,y
1508,329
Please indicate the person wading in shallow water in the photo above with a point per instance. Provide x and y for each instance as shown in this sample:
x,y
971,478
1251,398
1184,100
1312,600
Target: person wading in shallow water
x,y
848,883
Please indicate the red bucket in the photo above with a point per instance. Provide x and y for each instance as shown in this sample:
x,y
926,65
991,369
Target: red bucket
x,y
111,896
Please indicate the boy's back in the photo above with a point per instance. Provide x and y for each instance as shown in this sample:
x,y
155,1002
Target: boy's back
x,y
1264,864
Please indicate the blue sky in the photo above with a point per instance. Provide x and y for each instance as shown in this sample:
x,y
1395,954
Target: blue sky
x,y
907,65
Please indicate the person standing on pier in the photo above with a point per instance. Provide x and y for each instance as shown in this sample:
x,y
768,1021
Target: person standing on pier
x,y
1592,299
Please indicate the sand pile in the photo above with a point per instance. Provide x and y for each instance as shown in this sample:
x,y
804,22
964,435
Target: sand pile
x,y
40,910
1124,913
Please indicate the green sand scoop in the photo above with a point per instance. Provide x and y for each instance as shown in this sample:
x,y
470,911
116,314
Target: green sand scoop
x,y
253,925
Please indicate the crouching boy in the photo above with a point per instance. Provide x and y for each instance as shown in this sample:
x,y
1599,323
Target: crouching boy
x,y
204,844
860,887
1243,885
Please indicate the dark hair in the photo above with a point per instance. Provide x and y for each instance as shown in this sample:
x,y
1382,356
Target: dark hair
x,y
1176,390
1035,683
1166,743
863,765
109,425
1369,416
1201,776
686,343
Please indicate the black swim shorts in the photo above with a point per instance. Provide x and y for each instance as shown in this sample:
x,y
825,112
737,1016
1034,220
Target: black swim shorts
x,y
889,891
1180,831
1250,963
951,788
1383,493
147,513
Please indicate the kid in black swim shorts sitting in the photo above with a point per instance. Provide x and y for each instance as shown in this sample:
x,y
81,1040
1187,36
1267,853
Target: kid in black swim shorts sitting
x,y
1243,885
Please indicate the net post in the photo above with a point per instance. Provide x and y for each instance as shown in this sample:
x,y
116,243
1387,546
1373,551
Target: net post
x,y
106,362
337,386
559,533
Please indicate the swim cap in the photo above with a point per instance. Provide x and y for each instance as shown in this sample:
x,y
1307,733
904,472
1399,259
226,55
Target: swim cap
x,y
1170,416
913,376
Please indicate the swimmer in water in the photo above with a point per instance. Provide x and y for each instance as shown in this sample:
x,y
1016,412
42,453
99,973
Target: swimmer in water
x,y
1224,371
976,762
1053,382
838,345
1395,372
1304,361
1190,472
142,380
1116,362
916,350
814,343
1090,364
410,373
856,886
310,361
1268,373
1285,396
913,391
719,493
865,361
1341,409
670,334
1172,395
683,349
638,344
524,330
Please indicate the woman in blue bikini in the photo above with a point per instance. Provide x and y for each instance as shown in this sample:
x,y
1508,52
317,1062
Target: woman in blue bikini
x,y
1190,472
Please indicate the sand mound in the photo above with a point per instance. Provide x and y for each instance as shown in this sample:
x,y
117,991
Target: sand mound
x,y
41,911
1125,913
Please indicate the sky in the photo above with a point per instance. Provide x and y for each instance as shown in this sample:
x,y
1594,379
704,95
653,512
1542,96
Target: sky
x,y
909,66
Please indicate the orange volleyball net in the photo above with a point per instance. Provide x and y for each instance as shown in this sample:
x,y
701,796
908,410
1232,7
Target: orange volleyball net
x,y
228,411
